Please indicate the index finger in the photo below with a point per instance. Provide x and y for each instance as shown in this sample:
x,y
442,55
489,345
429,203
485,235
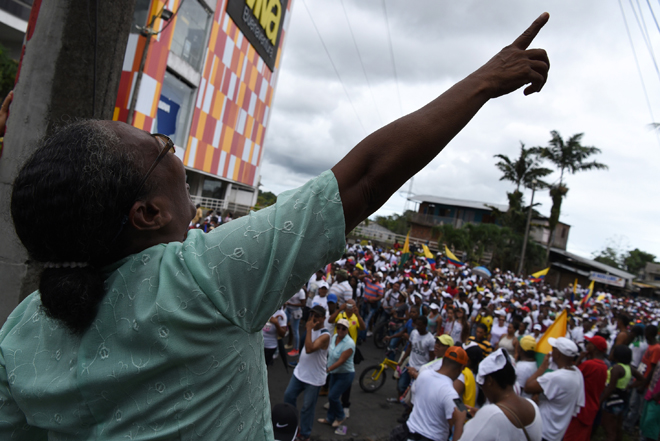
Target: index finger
x,y
530,33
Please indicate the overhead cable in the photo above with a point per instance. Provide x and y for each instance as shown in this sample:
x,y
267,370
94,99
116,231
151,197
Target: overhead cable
x,y
335,68
639,71
641,24
373,98
389,39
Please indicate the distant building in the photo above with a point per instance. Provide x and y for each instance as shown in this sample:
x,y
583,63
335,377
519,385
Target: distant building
x,y
652,273
540,232
436,210
566,267
206,79
649,280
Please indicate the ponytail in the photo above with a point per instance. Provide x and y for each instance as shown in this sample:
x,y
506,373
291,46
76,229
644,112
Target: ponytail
x,y
72,295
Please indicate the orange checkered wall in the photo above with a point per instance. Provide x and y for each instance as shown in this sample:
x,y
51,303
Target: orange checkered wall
x,y
233,98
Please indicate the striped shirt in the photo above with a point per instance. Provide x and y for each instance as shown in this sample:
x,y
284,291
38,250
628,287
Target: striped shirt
x,y
484,344
372,290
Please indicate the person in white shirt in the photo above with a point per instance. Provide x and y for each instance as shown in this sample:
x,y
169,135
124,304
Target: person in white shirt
x,y
311,370
526,365
562,390
420,349
499,328
274,329
321,298
435,412
508,416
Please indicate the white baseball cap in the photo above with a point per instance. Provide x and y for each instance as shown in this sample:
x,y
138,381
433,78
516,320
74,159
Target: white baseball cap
x,y
565,346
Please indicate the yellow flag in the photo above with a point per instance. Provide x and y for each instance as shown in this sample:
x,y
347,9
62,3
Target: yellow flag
x,y
541,273
588,296
575,286
427,252
451,255
406,244
556,330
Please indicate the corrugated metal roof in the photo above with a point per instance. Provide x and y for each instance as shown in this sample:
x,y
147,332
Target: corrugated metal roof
x,y
594,264
457,202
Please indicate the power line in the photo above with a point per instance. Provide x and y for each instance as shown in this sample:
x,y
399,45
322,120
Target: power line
x,y
389,39
334,67
639,70
642,28
373,98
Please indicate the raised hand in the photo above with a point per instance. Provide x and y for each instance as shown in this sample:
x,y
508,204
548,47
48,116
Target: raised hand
x,y
515,65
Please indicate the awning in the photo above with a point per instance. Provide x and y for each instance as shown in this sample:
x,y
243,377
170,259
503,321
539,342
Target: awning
x,y
645,285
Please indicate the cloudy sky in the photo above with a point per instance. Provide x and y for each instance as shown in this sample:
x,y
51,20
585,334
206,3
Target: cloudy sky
x,y
320,112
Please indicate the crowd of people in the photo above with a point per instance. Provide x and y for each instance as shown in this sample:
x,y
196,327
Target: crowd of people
x,y
461,336
208,220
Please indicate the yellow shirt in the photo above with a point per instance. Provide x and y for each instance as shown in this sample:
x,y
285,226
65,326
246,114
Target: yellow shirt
x,y
470,393
354,325
488,321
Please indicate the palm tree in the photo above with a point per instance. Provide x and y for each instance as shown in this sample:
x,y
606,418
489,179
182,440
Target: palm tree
x,y
524,169
569,156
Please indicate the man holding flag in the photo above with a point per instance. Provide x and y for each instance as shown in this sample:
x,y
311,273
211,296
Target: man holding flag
x,y
562,390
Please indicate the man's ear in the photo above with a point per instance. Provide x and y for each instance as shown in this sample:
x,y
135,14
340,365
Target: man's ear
x,y
149,215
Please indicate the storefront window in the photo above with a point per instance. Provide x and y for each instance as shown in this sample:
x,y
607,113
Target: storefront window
x,y
174,109
189,40
212,188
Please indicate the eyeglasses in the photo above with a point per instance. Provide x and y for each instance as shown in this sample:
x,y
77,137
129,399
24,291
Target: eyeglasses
x,y
167,145
341,328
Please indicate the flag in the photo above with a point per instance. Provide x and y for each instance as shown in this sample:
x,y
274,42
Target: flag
x,y
555,330
360,267
429,256
405,252
539,275
586,298
451,258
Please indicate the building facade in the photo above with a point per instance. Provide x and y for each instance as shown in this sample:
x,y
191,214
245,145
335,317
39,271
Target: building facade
x,y
14,17
206,78
435,210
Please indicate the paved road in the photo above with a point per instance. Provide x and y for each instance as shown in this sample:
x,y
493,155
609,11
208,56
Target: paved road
x,y
372,417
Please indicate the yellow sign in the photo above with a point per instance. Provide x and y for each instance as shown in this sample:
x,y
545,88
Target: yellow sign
x,y
269,14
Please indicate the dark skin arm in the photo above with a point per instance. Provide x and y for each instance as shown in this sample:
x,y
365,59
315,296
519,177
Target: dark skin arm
x,y
616,374
281,330
380,164
320,343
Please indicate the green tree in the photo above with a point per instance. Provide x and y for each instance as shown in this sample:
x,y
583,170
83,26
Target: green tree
x,y
609,256
477,239
8,69
523,170
397,223
637,259
568,156
265,199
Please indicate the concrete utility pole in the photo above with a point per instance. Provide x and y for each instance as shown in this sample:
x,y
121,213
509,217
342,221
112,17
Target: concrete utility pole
x,y
70,70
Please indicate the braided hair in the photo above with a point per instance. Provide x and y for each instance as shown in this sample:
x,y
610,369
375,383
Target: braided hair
x,y
85,181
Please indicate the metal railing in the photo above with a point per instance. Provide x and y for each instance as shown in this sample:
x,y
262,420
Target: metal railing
x,y
431,220
363,232
221,205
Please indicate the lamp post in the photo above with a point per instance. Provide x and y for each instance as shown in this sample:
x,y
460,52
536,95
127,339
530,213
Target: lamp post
x,y
529,219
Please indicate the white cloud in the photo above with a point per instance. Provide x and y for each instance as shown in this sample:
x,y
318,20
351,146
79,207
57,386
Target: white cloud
x,y
593,88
